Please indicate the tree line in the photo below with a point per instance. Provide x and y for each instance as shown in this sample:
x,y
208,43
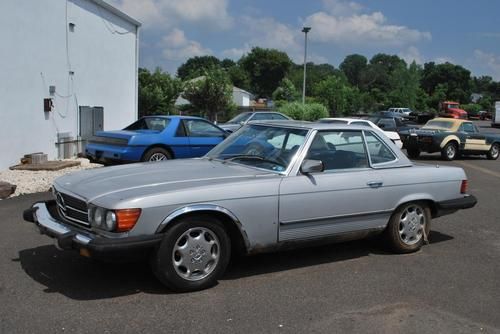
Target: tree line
x,y
357,85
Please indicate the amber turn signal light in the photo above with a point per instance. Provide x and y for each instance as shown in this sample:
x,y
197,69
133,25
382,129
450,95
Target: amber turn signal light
x,y
463,186
126,219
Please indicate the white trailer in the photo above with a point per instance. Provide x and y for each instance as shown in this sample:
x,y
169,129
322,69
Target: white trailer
x,y
495,120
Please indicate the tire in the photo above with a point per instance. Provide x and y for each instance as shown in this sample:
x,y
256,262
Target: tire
x,y
156,154
405,230
450,151
494,152
413,153
207,253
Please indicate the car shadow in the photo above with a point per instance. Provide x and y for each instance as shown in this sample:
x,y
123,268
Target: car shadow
x,y
81,278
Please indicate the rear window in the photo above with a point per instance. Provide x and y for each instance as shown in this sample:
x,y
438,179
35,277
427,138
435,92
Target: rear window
x,y
149,123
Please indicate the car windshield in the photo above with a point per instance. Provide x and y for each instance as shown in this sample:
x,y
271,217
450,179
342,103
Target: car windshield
x,y
149,123
440,125
266,147
240,118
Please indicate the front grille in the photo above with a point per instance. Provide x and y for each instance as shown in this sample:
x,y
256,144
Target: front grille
x,y
72,209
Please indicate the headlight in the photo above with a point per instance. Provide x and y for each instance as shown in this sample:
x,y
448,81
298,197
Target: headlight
x,y
99,216
110,221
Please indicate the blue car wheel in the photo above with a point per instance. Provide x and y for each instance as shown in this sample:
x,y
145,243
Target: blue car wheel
x,y
157,154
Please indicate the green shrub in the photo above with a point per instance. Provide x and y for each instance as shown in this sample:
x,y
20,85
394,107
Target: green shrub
x,y
306,112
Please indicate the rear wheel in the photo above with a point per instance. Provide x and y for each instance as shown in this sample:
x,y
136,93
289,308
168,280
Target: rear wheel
x,y
449,151
157,154
408,227
494,152
193,254
413,153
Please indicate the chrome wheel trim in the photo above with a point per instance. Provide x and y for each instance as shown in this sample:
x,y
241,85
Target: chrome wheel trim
x,y
494,151
158,157
451,151
411,225
196,253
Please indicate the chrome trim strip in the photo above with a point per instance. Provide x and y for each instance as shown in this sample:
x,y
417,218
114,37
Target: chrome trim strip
x,y
204,207
77,210
65,216
352,215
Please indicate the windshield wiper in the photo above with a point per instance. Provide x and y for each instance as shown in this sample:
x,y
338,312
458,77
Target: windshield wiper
x,y
254,157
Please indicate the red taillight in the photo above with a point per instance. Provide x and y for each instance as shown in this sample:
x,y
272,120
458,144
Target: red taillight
x,y
463,187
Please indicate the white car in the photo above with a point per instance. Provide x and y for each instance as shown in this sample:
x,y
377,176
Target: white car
x,y
392,135
402,111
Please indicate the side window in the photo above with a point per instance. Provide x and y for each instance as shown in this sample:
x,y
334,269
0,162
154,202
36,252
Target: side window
x,y
468,127
379,152
339,149
262,117
278,116
200,128
387,124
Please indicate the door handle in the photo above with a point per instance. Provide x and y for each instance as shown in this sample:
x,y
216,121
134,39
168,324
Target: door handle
x,y
375,184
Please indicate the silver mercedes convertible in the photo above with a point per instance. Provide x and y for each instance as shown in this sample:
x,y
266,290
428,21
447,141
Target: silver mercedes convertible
x,y
266,187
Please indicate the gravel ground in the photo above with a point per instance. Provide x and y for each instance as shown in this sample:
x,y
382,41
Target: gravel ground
x,y
29,182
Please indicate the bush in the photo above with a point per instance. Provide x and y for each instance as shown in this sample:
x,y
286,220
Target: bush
x,y
306,112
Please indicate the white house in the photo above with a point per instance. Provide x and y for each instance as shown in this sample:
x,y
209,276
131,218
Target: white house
x,y
72,54
241,97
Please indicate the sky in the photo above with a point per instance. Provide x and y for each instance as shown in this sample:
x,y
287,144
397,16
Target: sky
x,y
462,32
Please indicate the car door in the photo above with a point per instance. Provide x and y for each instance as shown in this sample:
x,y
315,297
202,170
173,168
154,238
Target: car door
x,y
474,140
346,197
202,135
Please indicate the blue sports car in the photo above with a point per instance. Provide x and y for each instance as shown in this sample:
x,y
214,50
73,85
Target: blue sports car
x,y
156,138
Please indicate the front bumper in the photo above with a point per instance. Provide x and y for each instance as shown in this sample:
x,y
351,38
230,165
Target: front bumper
x,y
88,244
450,206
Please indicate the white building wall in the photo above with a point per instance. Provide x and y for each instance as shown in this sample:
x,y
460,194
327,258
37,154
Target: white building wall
x,y
39,51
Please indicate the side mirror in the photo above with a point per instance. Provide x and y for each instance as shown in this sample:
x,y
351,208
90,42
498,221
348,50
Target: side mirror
x,y
242,123
311,166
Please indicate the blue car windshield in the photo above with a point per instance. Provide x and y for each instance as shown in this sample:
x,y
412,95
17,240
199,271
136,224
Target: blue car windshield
x,y
149,123
261,146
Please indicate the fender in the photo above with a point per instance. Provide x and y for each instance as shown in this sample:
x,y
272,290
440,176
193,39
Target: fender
x,y
205,207
415,197
447,139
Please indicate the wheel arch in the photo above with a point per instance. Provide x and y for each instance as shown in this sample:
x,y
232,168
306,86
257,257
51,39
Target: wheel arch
x,y
449,139
166,147
232,225
423,198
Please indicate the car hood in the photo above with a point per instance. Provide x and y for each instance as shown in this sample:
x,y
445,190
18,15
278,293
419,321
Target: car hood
x,y
152,178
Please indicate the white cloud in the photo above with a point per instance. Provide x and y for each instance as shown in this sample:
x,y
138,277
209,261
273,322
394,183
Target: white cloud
x,y
169,13
412,54
490,62
178,48
443,59
343,24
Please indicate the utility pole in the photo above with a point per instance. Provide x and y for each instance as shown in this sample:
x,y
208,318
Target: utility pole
x,y
305,30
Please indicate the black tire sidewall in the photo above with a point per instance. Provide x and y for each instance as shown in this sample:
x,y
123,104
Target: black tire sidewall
x,y
490,155
444,153
392,230
162,261
413,153
154,150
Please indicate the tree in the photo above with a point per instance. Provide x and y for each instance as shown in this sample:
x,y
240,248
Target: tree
x,y
353,66
239,77
157,92
335,93
286,91
196,66
266,68
315,74
405,83
306,112
211,93
456,78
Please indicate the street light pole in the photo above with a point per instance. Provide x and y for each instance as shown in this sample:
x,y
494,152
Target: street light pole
x,y
305,30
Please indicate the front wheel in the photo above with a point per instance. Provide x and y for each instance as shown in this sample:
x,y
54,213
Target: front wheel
x,y
449,151
494,152
413,153
408,227
193,254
